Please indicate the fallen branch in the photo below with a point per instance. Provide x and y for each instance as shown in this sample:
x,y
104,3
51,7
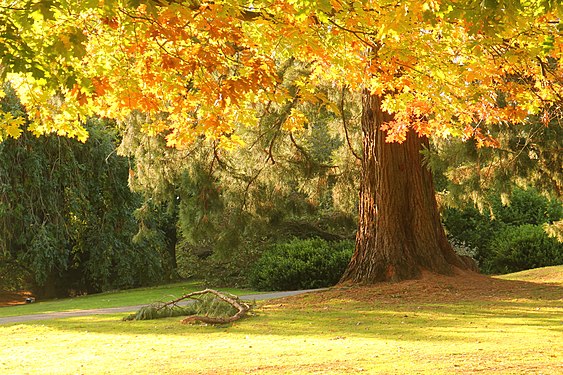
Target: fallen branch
x,y
242,309
199,311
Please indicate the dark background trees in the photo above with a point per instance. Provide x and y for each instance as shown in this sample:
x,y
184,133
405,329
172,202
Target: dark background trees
x,y
66,214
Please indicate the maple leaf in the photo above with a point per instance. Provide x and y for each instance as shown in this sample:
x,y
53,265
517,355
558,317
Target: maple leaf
x,y
11,126
14,129
295,121
396,131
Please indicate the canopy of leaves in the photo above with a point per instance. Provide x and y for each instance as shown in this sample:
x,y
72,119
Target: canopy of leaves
x,y
199,69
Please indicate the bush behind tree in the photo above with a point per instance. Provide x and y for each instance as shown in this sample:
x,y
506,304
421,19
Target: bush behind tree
x,y
301,264
518,248
509,237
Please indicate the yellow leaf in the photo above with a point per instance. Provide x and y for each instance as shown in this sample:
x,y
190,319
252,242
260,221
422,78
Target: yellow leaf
x,y
231,142
295,121
14,130
82,134
11,125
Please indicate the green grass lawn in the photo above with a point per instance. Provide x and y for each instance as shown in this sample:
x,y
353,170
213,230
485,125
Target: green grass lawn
x,y
441,325
113,299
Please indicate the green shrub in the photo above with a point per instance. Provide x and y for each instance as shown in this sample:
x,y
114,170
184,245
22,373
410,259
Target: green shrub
x,y
485,232
469,227
301,264
527,207
522,247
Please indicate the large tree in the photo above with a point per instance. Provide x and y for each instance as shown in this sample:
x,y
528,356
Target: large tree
x,y
200,69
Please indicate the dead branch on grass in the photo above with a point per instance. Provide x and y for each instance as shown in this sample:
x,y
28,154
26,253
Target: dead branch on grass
x,y
203,312
241,307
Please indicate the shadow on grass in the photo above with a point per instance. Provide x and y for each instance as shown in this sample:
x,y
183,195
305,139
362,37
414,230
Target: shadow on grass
x,y
132,297
339,319
438,308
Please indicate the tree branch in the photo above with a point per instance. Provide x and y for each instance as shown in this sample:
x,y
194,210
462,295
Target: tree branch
x,y
344,123
242,308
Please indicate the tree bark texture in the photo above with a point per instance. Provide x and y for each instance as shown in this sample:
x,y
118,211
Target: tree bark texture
x,y
399,228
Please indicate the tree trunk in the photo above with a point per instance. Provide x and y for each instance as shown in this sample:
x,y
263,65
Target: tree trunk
x,y
399,228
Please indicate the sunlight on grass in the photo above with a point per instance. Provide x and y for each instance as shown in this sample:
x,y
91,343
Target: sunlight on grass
x,y
516,333
552,275
113,299
333,337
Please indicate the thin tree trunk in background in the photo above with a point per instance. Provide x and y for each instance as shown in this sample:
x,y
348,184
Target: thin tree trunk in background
x,y
399,228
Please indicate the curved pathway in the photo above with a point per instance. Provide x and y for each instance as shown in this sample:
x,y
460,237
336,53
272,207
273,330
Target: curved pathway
x,y
126,309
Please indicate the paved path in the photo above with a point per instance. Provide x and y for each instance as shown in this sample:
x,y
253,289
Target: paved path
x,y
126,309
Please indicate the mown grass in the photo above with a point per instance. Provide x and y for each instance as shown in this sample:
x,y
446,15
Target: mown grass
x,y
131,297
544,275
338,332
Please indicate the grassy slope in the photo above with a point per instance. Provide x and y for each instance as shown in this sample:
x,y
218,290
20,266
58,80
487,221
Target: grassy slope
x,y
546,275
435,326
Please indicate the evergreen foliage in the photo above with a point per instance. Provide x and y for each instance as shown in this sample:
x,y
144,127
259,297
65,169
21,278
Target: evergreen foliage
x,y
155,311
156,234
66,214
509,237
522,247
526,207
231,204
490,194
301,264
528,156
207,305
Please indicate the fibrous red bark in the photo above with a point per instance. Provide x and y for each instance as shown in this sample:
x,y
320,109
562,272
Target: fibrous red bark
x,y
399,228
